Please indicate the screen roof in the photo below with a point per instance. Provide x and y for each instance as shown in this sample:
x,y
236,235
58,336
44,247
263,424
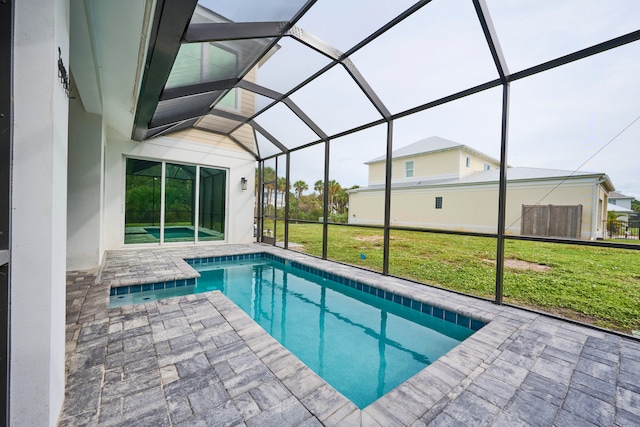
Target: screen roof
x,y
278,76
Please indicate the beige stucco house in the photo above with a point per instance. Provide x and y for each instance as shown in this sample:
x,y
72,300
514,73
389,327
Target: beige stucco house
x,y
619,199
441,184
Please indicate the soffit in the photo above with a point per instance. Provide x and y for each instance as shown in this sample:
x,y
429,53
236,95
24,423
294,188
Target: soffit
x,y
108,42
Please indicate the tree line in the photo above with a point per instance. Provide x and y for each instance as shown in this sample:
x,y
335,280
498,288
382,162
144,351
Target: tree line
x,y
305,206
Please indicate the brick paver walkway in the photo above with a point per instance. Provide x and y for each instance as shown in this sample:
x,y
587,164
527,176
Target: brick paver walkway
x,y
200,360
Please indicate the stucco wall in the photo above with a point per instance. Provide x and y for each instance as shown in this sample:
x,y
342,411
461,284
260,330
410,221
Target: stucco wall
x,y
39,208
623,203
471,208
444,164
577,192
433,165
376,173
366,207
84,204
220,154
476,163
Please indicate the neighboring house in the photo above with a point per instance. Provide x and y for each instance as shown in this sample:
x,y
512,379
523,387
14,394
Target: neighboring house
x,y
441,184
621,223
432,158
620,200
622,214
621,205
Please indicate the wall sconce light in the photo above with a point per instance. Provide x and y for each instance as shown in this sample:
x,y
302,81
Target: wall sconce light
x,y
63,75
243,183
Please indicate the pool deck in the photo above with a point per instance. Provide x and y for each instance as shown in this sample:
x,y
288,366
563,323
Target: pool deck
x,y
199,360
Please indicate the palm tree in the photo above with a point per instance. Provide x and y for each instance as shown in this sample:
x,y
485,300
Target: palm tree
x,y
319,186
268,176
281,185
334,188
299,187
342,201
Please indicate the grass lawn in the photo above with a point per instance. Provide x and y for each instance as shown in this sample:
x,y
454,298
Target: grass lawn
x,y
600,286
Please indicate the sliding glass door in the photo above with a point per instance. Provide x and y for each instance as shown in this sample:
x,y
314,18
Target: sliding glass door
x,y
142,202
180,203
213,184
168,202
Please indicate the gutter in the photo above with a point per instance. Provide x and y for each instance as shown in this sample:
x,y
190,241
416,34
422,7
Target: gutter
x,y
419,184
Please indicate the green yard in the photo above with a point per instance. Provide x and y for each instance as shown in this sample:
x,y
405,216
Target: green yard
x,y
594,285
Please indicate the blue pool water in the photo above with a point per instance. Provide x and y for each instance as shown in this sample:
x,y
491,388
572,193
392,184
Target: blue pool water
x,y
174,233
361,344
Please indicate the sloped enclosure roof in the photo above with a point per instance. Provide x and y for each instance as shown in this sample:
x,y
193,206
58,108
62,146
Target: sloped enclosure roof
x,y
205,55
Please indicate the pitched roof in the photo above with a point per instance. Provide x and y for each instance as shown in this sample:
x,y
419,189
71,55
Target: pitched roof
x,y
436,144
522,173
615,208
493,176
427,145
616,195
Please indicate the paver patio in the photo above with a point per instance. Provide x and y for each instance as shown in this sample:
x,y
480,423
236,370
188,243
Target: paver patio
x,y
199,360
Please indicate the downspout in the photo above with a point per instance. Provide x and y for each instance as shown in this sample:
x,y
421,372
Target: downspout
x,y
594,210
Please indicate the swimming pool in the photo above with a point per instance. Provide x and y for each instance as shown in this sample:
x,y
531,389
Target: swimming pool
x,y
361,340
175,233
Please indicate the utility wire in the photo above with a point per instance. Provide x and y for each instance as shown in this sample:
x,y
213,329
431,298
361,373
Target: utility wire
x,y
579,167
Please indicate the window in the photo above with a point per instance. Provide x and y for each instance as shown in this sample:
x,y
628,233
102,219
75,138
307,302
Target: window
x,y
439,202
230,100
189,197
487,166
468,162
201,62
408,169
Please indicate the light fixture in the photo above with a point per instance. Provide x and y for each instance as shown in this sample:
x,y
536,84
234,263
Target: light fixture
x,y
243,183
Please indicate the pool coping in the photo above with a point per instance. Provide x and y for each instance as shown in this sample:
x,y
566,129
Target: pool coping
x,y
441,381
514,346
431,309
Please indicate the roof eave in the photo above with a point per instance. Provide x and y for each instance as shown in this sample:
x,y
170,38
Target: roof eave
x,y
601,178
440,150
